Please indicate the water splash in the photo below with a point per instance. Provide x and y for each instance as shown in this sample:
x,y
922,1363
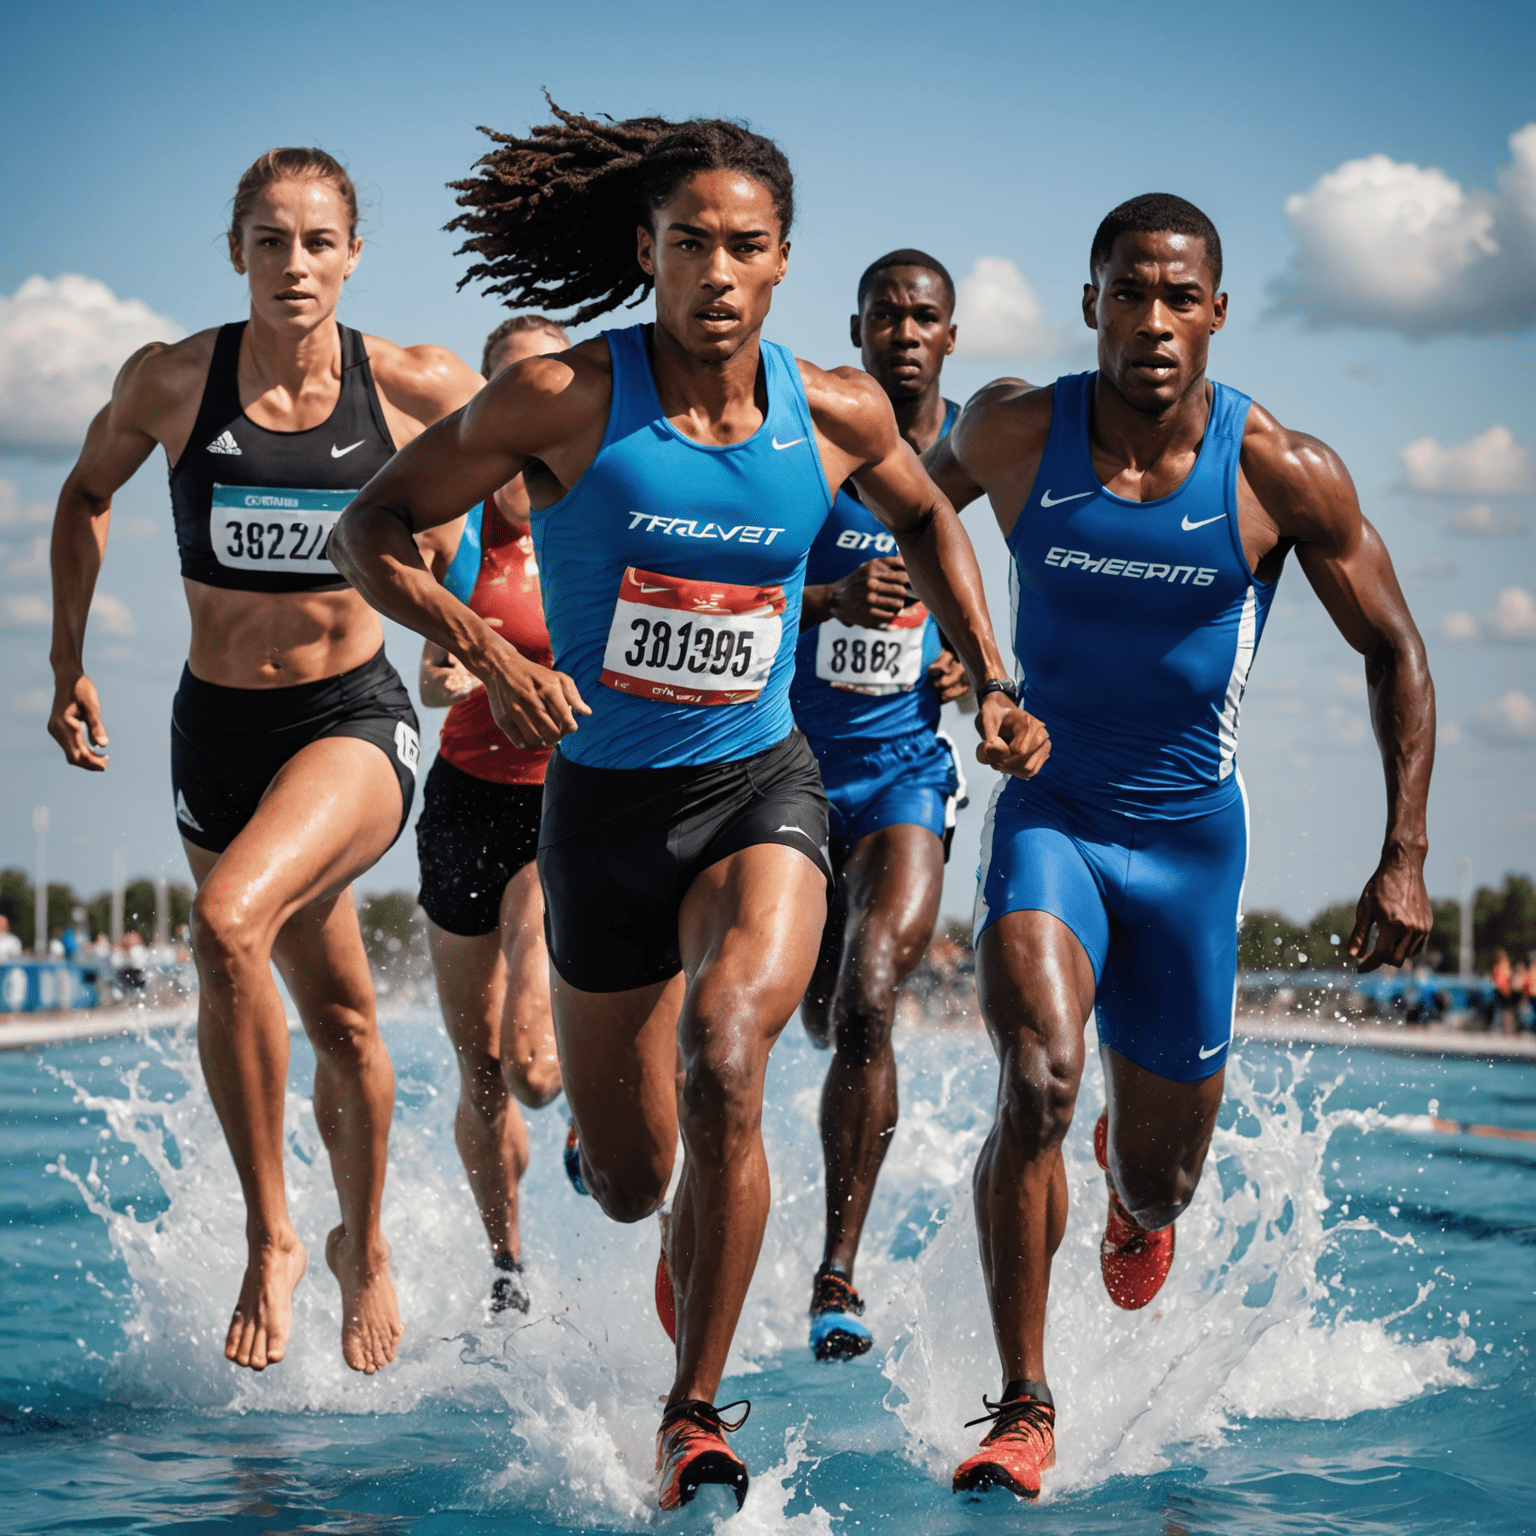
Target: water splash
x,y
1256,1320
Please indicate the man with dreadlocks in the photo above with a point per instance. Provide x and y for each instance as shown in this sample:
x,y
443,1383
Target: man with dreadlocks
x,y
678,473
1148,513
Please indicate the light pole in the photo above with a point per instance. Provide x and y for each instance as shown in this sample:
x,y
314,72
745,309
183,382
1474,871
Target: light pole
x,y
1464,940
40,883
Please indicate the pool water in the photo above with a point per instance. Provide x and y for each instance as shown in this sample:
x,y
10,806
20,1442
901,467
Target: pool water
x,y
1342,1346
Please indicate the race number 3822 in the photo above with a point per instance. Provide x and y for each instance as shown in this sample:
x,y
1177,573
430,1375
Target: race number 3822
x,y
274,528
681,641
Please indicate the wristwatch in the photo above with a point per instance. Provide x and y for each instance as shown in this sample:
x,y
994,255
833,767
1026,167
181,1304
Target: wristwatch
x,y
1003,685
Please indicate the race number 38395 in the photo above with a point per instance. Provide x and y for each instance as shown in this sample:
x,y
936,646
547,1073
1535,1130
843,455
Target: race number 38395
x,y
274,528
681,641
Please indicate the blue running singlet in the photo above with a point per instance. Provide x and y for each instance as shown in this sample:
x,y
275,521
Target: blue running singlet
x,y
673,571
863,682
1136,622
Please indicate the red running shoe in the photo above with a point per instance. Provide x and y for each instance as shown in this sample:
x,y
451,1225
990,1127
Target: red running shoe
x,y
1020,1445
691,1452
1133,1261
666,1298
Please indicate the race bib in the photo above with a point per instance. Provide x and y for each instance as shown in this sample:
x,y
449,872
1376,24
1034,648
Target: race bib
x,y
876,661
266,528
692,642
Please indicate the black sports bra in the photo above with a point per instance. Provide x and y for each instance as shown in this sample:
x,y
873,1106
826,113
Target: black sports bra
x,y
254,509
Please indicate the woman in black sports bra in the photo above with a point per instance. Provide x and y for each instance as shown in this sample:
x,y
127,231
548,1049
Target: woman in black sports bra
x,y
293,741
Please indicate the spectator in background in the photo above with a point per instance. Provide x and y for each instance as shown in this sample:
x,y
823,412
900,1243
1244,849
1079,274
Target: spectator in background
x,y
1503,980
10,944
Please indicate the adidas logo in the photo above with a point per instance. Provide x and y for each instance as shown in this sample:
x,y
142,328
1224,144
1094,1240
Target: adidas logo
x,y
224,443
183,810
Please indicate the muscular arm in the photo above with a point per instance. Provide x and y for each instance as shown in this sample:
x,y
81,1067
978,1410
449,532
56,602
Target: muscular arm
x,y
118,441
533,409
1305,488
854,414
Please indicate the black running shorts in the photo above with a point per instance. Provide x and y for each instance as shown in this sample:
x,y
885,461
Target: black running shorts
x,y
620,848
227,744
472,836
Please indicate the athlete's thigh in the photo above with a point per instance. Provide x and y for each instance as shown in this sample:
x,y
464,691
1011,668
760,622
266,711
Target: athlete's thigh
x,y
618,1063
895,883
1168,987
1034,983
471,980
329,813
749,931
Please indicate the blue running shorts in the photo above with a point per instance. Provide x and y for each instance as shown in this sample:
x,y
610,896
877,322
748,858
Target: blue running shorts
x,y
871,784
1155,904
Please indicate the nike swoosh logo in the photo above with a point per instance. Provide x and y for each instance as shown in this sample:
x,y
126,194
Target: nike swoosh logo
x,y
341,453
801,830
1204,1054
645,588
1190,527
781,447
1046,499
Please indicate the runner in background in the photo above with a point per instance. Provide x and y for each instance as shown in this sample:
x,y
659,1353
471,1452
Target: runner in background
x,y
871,670
293,740
476,839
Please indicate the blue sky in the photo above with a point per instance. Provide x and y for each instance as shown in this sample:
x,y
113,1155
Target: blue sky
x,y
974,130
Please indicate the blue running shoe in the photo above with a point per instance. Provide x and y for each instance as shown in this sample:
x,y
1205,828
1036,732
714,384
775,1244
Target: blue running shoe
x,y
836,1333
573,1161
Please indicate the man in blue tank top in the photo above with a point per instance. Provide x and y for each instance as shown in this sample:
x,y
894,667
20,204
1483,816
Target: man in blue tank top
x,y
871,671
1148,513
678,474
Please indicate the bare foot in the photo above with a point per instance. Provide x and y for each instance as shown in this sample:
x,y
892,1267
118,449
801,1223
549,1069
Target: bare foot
x,y
370,1316
258,1332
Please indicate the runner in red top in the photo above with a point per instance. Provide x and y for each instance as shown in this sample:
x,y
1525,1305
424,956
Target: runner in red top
x,y
476,841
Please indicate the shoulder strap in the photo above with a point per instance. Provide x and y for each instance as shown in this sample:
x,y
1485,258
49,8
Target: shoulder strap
x,y
221,394
951,411
356,372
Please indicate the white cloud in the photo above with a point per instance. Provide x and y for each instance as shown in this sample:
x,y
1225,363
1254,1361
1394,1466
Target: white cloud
x,y
1490,464
35,701
24,611
1448,734
1513,617
1436,568
62,341
1385,243
999,314
111,615
31,565
1458,626
14,513
1510,721
1480,520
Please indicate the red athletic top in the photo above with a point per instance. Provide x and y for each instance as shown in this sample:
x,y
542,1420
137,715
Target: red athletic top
x,y
506,595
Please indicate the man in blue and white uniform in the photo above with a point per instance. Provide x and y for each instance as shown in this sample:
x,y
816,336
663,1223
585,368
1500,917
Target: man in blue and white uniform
x,y
871,670
1148,513
678,474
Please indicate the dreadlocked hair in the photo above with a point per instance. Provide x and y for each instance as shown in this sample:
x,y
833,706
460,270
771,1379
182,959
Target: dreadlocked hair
x,y
552,217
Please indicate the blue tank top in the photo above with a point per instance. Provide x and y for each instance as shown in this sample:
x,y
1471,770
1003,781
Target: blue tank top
x,y
863,682
1135,623
673,571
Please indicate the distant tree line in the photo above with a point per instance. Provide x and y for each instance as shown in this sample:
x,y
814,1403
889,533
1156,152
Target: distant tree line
x,y
138,906
1502,918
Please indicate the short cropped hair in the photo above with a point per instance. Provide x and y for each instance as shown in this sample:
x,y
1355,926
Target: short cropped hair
x,y
907,257
512,327
1150,214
